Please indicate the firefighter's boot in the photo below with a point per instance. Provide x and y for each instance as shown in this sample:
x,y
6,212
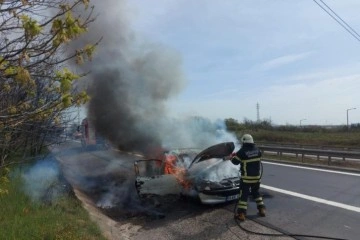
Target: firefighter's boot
x,y
262,212
240,216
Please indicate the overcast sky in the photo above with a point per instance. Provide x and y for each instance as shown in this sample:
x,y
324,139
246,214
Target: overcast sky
x,y
287,55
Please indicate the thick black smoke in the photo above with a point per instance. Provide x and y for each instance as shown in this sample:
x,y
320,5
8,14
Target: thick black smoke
x,y
130,80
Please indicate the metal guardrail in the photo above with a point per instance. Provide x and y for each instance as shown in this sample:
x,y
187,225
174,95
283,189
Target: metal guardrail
x,y
311,152
309,146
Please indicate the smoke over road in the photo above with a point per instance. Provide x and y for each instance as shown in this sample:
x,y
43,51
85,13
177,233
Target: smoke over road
x,y
130,82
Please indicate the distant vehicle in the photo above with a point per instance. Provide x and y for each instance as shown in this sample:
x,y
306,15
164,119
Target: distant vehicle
x,y
203,174
89,137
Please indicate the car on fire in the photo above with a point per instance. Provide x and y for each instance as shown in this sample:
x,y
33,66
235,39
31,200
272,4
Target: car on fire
x,y
206,175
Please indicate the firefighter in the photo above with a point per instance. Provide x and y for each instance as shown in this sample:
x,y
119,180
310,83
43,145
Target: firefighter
x,y
249,158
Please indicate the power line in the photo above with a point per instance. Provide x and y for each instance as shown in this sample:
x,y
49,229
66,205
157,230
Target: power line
x,y
341,22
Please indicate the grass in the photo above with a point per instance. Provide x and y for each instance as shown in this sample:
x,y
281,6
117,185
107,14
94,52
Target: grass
x,y
325,138
20,218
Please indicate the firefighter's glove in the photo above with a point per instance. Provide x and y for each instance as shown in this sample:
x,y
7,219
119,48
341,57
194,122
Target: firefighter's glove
x,y
230,157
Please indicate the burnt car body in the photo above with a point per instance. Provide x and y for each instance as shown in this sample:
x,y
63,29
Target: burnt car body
x,y
207,174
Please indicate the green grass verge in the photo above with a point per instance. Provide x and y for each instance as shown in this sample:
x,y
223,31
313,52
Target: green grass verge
x,y
20,218
339,139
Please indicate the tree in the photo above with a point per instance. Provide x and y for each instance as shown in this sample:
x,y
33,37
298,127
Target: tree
x,y
36,84
232,124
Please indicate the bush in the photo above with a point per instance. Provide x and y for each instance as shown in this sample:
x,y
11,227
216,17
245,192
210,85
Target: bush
x,y
4,180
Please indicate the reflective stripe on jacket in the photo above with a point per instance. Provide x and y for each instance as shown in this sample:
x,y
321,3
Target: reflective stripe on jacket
x,y
249,158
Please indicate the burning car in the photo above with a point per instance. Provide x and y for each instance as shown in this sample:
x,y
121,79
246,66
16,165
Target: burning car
x,y
204,174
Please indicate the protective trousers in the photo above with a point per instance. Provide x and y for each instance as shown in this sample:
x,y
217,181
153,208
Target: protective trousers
x,y
245,189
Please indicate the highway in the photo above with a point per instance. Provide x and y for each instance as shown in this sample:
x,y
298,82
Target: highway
x,y
303,200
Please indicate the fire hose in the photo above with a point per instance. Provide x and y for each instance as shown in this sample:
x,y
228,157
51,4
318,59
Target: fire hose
x,y
238,222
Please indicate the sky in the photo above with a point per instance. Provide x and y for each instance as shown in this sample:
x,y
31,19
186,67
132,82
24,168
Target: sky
x,y
289,56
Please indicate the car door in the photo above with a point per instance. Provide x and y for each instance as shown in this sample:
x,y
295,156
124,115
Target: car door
x,y
151,180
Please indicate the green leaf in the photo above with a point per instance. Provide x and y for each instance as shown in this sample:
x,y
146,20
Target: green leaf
x,y
86,3
22,75
9,71
66,77
67,101
31,26
89,50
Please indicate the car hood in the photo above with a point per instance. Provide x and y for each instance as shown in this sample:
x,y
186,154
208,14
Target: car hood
x,y
216,151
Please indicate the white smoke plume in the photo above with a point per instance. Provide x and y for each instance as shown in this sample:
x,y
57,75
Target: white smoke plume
x,y
43,182
196,132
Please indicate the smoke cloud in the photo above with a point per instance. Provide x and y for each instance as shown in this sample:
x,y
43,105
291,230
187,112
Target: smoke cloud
x,y
130,82
43,182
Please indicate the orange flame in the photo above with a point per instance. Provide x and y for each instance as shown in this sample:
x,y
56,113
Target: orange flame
x,y
179,172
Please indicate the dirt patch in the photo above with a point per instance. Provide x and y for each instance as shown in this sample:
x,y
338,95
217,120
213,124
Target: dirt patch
x,y
110,228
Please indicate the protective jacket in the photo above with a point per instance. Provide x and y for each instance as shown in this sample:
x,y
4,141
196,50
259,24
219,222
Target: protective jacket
x,y
249,157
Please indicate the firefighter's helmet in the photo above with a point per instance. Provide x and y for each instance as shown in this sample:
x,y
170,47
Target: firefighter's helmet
x,y
247,138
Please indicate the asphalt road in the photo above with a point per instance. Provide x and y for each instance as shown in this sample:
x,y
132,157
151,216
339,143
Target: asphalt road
x,y
312,201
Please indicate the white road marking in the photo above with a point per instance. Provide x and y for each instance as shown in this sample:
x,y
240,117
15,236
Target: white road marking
x,y
314,169
315,199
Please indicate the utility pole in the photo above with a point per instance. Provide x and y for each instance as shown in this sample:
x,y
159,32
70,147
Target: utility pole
x,y
78,115
347,116
302,120
258,111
